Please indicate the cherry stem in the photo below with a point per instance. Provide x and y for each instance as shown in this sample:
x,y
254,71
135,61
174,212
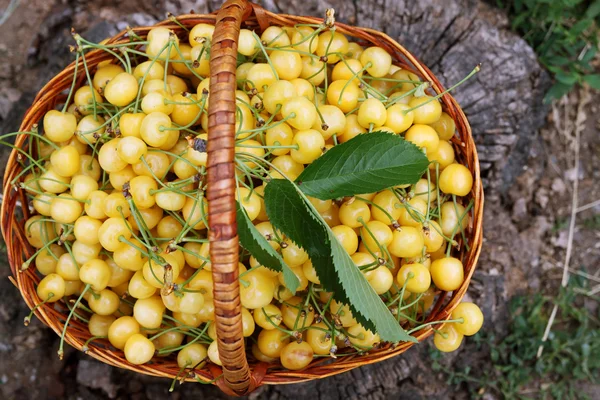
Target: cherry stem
x,y
166,68
89,78
141,84
173,329
66,105
383,210
473,72
210,382
86,348
396,99
383,250
197,338
172,387
169,321
277,326
459,320
459,224
186,63
106,48
64,331
46,246
27,319
409,305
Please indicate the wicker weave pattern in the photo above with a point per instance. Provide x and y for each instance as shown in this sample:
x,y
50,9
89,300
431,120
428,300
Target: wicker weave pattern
x,y
224,247
239,376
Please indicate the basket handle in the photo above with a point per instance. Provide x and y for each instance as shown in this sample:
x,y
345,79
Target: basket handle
x,y
224,246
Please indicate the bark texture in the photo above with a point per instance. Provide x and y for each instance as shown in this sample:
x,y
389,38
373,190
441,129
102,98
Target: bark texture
x,y
503,103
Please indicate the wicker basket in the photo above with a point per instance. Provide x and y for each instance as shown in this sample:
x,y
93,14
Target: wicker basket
x,y
240,376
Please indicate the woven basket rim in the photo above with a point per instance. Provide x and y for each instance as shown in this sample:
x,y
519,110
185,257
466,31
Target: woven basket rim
x,y
49,96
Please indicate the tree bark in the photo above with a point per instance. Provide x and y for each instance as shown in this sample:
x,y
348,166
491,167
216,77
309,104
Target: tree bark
x,y
503,103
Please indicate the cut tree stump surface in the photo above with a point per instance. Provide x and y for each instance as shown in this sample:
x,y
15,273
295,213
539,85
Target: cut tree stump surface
x,y
503,103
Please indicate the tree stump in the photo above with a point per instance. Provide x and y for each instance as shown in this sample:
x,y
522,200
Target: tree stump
x,y
503,103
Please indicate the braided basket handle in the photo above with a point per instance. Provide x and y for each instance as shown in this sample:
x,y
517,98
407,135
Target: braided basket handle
x,y
224,247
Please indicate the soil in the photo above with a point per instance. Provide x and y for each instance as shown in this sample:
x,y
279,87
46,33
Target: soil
x,y
526,231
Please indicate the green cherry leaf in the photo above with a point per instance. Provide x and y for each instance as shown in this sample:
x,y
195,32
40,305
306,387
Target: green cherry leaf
x,y
368,163
294,216
259,247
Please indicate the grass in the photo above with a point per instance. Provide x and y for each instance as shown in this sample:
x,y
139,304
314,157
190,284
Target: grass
x,y
592,222
565,36
559,224
511,369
